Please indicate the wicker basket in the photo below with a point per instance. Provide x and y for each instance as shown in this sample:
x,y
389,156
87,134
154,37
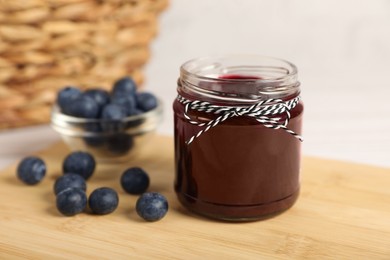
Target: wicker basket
x,y
47,44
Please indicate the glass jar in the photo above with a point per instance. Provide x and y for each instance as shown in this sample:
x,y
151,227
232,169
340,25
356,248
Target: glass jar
x,y
237,144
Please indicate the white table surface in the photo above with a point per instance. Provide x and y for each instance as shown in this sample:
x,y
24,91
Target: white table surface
x,y
342,54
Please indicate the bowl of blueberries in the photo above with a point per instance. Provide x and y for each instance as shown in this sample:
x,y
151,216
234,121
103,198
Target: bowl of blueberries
x,y
113,126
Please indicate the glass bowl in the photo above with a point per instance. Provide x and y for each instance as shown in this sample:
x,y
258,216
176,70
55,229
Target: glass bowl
x,y
107,140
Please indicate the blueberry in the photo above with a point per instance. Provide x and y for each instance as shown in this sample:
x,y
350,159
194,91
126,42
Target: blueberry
x,y
31,170
94,141
134,122
94,137
66,95
151,206
103,201
100,96
93,127
135,180
81,163
69,180
126,101
146,101
82,106
113,115
120,143
137,112
71,201
124,86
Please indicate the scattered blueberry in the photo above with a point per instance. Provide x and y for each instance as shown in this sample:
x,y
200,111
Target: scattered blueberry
x,y
113,115
31,170
69,180
66,95
71,201
124,86
120,143
81,163
103,201
135,180
82,106
151,206
101,96
126,101
146,101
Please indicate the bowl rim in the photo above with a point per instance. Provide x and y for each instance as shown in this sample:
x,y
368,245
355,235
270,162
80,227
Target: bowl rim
x,y
57,115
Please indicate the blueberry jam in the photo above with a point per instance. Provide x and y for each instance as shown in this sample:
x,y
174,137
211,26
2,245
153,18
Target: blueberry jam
x,y
239,170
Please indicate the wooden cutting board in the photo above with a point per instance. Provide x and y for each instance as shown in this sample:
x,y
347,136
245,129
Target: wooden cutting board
x,y
343,213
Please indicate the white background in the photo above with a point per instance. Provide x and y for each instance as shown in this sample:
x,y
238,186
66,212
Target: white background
x,y
341,48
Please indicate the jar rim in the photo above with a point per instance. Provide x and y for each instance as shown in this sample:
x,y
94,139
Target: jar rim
x,y
262,75
290,67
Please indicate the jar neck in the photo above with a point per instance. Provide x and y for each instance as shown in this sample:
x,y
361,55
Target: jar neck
x,y
238,78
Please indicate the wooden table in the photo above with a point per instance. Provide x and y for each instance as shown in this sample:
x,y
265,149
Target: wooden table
x,y
343,213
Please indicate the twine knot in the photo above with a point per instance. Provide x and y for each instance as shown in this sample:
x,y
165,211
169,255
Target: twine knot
x,y
263,111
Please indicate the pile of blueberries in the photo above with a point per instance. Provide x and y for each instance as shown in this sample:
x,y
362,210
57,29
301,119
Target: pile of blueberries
x,y
112,108
70,188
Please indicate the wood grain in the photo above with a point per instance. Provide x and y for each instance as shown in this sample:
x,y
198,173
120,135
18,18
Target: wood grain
x,y
343,213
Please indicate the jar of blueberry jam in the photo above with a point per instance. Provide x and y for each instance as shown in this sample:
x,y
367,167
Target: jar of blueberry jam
x,y
238,122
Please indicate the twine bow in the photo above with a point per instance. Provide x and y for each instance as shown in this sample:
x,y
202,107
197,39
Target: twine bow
x,y
263,111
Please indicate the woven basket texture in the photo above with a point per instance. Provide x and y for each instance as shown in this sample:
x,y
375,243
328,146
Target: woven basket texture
x,y
48,44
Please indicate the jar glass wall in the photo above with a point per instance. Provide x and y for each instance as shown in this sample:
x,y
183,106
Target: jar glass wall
x,y
237,144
